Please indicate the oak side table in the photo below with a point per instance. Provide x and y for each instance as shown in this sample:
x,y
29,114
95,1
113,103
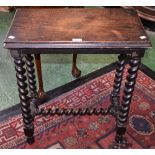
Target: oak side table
x,y
80,31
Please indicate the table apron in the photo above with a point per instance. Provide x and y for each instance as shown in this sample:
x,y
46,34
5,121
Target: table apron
x,y
79,51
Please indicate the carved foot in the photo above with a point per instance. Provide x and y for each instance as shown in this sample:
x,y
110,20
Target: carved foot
x,y
29,133
41,94
123,144
30,140
76,72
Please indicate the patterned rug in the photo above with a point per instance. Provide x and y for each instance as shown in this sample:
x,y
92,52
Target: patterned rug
x,y
88,131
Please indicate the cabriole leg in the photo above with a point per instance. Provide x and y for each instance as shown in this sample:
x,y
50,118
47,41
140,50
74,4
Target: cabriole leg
x,y
75,71
41,92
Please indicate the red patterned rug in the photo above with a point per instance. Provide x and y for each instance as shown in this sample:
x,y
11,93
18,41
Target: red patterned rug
x,y
88,131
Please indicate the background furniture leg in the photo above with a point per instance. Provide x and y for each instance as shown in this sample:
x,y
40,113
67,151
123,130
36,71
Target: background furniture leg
x,y
75,71
41,93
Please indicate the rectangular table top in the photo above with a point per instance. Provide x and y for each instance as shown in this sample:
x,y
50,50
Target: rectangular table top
x,y
76,28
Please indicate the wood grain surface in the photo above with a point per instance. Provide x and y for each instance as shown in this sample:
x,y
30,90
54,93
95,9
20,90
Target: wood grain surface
x,y
83,27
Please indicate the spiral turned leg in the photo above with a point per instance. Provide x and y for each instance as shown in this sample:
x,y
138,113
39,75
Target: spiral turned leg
x,y
115,95
120,141
32,83
31,75
23,94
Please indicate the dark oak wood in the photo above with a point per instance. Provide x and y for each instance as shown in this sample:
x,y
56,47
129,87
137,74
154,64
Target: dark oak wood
x,y
115,94
122,118
102,31
24,100
31,75
60,28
